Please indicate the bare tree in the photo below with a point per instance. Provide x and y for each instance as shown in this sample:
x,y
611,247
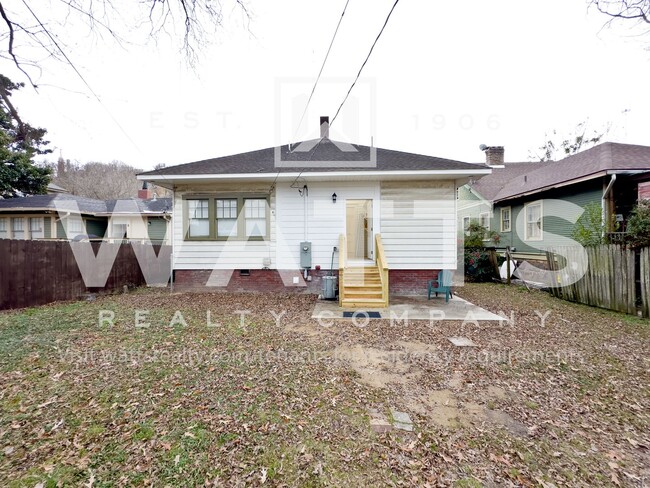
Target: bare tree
x,y
635,11
638,10
557,146
46,27
103,181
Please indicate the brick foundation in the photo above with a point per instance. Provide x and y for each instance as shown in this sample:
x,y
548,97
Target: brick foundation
x,y
402,281
410,281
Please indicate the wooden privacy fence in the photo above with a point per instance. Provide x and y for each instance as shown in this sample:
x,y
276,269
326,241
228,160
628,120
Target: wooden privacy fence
x,y
616,278
39,272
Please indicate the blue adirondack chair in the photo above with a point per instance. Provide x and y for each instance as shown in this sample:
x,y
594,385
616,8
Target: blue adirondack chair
x,y
442,284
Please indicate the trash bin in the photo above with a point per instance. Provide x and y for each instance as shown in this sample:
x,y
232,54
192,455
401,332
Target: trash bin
x,y
329,287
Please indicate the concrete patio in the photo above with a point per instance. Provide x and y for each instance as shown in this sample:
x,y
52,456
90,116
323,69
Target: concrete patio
x,y
411,307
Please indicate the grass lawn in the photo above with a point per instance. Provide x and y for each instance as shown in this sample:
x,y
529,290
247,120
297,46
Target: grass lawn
x,y
257,393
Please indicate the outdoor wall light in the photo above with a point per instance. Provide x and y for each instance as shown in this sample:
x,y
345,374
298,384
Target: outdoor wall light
x,y
333,197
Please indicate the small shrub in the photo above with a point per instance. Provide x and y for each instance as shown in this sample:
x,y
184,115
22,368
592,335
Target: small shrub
x,y
478,234
477,259
638,225
478,266
590,228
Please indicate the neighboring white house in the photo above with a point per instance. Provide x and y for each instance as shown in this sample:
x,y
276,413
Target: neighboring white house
x,y
65,216
255,213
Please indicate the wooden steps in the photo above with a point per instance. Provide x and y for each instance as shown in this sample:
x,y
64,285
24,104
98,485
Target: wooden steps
x,y
362,287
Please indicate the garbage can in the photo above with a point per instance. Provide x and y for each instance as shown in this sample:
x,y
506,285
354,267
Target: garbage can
x,y
329,287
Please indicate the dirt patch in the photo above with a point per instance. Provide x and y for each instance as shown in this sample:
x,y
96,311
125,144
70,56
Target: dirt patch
x,y
496,393
439,406
419,348
444,409
377,367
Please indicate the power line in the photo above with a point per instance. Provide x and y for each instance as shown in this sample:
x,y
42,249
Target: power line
x,y
364,62
81,77
321,69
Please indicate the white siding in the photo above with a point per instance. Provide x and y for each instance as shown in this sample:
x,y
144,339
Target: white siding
x,y
325,220
418,224
415,218
221,254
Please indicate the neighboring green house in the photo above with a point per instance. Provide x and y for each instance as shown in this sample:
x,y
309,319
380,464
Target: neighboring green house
x,y
528,204
37,217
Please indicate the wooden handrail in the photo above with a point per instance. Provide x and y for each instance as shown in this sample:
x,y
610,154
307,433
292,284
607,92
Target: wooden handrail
x,y
382,265
343,255
343,251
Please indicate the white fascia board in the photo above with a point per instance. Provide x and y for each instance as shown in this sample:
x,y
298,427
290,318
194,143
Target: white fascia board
x,y
450,173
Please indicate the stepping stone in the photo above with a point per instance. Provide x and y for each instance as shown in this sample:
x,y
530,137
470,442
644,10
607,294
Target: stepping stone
x,y
461,342
378,421
401,420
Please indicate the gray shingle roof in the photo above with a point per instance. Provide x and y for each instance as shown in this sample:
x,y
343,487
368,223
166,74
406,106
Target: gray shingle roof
x,y
159,205
522,178
263,160
85,205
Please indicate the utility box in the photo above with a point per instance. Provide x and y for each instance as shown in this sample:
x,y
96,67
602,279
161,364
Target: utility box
x,y
329,287
305,254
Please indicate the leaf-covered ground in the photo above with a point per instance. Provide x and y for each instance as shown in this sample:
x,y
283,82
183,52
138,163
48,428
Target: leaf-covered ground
x,y
258,393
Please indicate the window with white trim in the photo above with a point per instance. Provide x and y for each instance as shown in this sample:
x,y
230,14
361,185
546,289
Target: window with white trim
x,y
36,228
4,230
534,225
466,224
506,219
74,226
484,220
18,227
119,230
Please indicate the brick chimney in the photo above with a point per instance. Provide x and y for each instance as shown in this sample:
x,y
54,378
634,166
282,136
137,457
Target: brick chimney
x,y
325,127
495,156
145,193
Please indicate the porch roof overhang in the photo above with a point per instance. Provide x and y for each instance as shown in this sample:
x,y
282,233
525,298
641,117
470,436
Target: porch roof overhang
x,y
598,174
169,181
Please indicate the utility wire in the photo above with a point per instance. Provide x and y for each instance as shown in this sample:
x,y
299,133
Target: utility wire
x,y
81,77
364,62
321,69
311,96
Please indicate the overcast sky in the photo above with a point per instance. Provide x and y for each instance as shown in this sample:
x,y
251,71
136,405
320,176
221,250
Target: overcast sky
x,y
444,78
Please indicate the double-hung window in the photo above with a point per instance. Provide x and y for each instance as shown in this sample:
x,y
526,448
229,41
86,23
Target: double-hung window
x,y
484,220
119,230
75,227
226,217
36,227
534,225
4,230
18,227
255,217
506,219
198,217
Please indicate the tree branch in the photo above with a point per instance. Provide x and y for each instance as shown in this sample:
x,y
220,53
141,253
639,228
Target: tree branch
x,y
10,49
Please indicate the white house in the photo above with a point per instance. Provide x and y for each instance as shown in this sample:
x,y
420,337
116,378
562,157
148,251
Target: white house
x,y
282,218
